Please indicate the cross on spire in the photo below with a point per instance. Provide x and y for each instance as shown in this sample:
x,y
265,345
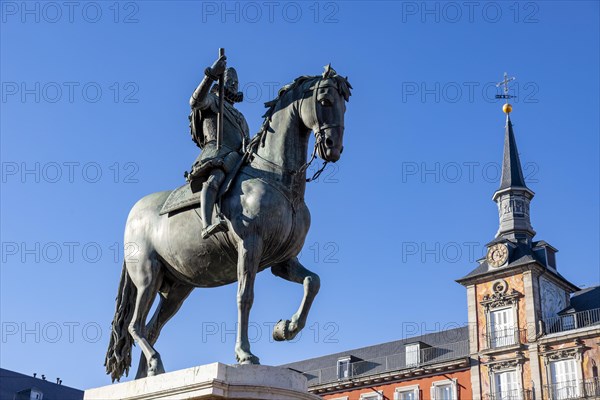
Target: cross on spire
x,y
506,88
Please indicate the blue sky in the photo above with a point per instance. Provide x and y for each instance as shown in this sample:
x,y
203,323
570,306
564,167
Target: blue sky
x,y
94,117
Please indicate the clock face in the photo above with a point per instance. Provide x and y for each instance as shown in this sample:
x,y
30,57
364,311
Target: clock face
x,y
497,254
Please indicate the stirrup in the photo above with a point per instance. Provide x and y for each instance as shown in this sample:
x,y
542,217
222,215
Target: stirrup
x,y
220,226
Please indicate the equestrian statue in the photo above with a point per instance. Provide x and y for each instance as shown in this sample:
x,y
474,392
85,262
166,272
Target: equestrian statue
x,y
252,189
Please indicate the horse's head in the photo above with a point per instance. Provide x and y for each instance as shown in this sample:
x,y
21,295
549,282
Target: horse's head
x,y
322,111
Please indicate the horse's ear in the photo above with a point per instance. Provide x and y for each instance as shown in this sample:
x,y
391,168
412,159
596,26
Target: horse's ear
x,y
329,71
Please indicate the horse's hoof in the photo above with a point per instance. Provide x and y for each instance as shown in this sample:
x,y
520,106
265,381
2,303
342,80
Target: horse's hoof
x,y
251,361
248,359
281,330
155,367
285,330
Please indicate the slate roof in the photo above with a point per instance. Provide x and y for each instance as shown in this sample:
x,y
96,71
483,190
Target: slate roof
x,y
12,382
583,300
521,255
512,175
436,339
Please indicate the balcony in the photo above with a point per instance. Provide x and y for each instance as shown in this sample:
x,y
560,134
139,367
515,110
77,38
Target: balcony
x,y
578,389
520,394
388,364
498,338
569,322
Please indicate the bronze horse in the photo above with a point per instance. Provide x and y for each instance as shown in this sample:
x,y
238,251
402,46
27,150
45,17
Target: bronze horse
x,y
268,222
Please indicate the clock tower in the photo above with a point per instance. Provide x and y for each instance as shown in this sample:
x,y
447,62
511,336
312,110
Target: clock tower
x,y
512,290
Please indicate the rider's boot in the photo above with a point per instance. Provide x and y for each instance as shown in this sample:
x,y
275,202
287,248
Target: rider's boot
x,y
208,198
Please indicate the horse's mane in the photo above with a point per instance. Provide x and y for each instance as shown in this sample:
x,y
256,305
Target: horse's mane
x,y
343,86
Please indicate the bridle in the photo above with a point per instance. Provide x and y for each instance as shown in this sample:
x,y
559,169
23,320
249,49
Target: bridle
x,y
315,120
314,117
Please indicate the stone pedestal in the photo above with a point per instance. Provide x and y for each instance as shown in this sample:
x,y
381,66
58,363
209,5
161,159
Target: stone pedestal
x,y
211,382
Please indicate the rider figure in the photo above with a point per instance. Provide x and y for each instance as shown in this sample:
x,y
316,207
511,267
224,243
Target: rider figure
x,y
213,164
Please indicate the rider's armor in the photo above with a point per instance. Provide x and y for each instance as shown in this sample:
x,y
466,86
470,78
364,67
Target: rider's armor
x,y
214,163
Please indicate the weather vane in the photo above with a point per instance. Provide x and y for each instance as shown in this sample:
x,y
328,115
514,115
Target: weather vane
x,y
507,108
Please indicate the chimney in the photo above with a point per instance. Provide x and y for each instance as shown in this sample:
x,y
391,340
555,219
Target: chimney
x,y
43,377
35,374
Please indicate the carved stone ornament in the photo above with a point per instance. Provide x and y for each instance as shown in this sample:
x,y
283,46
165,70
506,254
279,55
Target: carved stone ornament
x,y
564,354
504,364
500,297
500,286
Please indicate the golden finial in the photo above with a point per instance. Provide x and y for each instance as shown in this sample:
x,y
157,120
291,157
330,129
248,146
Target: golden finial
x,y
507,108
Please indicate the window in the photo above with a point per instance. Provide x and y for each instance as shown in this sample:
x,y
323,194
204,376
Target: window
x,y
506,386
372,396
563,376
502,328
343,368
444,390
407,393
413,352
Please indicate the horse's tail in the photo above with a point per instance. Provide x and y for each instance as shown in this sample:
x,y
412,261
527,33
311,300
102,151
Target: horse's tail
x,y
118,356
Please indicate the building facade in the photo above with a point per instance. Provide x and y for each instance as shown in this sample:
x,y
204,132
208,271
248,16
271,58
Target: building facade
x,y
532,334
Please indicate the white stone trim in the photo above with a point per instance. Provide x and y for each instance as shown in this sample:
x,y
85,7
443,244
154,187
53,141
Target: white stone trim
x,y
404,389
368,396
452,382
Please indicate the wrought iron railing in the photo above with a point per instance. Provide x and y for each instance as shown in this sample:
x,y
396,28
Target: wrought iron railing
x,y
496,338
520,394
570,390
395,362
572,321
591,387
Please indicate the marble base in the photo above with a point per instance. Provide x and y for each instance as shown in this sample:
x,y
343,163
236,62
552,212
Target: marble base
x,y
211,382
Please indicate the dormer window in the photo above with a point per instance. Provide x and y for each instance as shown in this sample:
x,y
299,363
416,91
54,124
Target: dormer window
x,y
413,354
546,253
343,368
30,394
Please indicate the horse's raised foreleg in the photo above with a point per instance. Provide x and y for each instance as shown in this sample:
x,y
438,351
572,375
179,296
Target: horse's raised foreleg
x,y
293,271
249,253
146,273
170,303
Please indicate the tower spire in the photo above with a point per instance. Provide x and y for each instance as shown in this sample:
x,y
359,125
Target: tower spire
x,y
512,174
513,196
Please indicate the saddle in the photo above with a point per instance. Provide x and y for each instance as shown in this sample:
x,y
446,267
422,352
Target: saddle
x,y
188,195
